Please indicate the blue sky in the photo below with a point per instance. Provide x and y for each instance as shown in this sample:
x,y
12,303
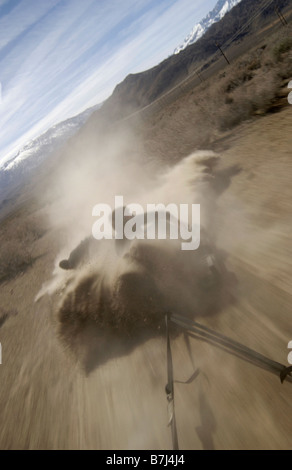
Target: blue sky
x,y
59,57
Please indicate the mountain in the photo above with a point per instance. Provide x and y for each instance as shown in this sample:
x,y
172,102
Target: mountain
x,y
34,153
243,22
218,12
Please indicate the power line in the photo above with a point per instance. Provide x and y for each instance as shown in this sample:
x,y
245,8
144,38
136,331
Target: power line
x,y
252,18
230,40
197,71
225,45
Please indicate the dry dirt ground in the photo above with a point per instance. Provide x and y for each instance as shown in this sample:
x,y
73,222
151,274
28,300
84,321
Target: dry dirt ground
x,y
46,402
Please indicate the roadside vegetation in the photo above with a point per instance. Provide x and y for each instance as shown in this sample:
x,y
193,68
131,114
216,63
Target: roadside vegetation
x,y
17,246
252,86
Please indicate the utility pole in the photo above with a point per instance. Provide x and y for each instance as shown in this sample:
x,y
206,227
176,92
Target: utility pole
x,y
222,53
199,76
281,16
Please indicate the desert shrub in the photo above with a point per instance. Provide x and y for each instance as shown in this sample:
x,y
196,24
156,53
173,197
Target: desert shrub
x,y
284,68
241,93
250,86
264,90
29,231
5,314
284,45
231,114
237,80
255,64
14,259
16,246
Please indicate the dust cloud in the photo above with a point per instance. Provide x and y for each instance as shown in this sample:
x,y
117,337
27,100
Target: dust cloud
x,y
116,296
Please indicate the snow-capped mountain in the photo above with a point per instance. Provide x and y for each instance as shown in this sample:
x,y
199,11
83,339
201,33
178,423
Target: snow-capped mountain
x,y
220,10
37,150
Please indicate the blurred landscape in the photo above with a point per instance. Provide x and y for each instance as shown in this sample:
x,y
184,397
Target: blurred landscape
x,y
84,351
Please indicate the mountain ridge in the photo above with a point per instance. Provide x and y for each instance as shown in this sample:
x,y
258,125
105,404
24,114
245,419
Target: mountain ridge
x,y
139,90
18,168
219,11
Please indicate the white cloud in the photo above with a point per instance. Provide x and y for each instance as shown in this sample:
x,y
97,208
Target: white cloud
x,y
24,15
72,56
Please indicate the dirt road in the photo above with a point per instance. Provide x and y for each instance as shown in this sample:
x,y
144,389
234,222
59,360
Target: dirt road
x,y
47,403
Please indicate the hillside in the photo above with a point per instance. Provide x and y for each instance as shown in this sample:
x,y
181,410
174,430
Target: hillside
x,y
25,165
84,358
219,11
138,90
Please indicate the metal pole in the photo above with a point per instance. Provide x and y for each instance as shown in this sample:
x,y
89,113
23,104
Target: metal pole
x,y
199,76
281,16
222,53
